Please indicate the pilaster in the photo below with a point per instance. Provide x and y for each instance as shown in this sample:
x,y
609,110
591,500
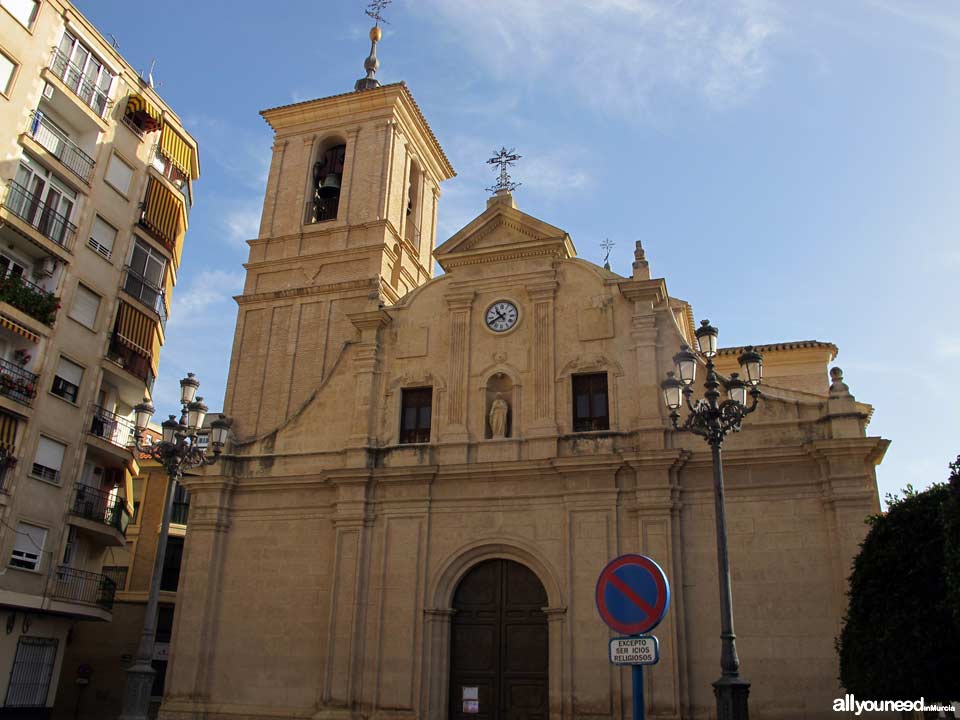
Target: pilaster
x,y
544,424
366,369
460,306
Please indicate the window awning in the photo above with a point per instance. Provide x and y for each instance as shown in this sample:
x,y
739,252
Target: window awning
x,y
8,432
164,215
168,287
135,329
143,110
18,329
179,152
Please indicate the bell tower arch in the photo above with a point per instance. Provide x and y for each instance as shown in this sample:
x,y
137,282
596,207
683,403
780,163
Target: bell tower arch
x,y
348,224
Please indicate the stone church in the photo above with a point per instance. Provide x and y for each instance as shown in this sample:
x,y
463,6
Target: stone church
x,y
428,472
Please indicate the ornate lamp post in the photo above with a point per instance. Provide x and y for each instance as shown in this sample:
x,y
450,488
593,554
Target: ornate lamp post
x,y
177,451
712,418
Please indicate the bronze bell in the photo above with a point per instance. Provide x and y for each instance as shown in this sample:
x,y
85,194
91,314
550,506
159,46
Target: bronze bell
x,y
330,187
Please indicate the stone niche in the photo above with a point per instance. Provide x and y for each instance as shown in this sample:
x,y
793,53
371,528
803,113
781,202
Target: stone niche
x,y
499,421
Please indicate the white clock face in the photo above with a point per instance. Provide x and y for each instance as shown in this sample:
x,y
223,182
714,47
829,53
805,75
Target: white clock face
x,y
501,316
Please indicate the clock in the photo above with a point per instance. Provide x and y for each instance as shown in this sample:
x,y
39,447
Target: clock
x,y
501,316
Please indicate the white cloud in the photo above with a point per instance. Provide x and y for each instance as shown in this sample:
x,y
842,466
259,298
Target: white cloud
x,y
242,223
634,50
208,289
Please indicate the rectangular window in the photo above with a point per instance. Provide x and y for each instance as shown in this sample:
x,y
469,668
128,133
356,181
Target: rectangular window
x,y
31,673
416,408
145,274
590,408
66,383
8,68
25,11
49,459
86,303
70,547
28,546
119,174
170,579
102,237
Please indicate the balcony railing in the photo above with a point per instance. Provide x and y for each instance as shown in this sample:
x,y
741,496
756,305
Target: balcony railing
x,y
111,427
132,362
60,146
79,586
16,383
30,298
100,506
320,210
412,233
73,78
32,210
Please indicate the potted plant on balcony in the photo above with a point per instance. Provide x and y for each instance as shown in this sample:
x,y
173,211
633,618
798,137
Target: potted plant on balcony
x,y
31,299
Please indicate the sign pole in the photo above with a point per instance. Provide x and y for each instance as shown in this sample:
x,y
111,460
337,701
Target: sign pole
x,y
637,692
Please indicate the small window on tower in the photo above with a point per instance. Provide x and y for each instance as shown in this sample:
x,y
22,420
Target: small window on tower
x,y
412,227
417,405
590,406
327,179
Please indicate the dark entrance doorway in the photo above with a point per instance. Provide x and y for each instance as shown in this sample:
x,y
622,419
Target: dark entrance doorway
x,y
498,644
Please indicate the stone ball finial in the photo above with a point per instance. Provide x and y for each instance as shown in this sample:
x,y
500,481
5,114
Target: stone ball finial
x,y
836,374
838,388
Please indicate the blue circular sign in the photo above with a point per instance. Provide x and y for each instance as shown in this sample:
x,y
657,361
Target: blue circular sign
x,y
632,594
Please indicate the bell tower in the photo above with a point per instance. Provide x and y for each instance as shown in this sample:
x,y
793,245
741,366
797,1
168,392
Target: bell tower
x,y
348,224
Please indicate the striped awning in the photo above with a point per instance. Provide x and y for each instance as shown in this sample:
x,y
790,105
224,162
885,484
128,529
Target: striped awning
x,y
139,107
155,347
179,152
164,214
8,432
168,287
135,329
18,329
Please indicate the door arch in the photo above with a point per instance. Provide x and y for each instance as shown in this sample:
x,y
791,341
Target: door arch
x,y
499,644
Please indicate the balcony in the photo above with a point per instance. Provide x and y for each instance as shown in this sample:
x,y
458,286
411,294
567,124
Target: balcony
x,y
16,383
111,427
100,507
60,146
72,76
87,588
165,166
29,298
133,362
44,219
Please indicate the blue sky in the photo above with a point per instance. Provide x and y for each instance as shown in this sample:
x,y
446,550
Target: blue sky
x,y
790,167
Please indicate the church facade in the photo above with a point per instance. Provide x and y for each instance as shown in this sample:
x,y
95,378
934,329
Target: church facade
x,y
428,473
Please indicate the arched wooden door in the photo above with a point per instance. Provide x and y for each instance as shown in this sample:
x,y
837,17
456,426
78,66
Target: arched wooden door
x,y
498,644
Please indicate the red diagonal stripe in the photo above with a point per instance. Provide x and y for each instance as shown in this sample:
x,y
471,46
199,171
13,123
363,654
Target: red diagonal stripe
x,y
631,595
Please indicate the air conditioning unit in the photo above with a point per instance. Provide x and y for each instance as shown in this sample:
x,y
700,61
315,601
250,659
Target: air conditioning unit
x,y
48,91
46,267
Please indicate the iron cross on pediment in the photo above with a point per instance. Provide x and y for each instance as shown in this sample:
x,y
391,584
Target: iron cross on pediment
x,y
504,158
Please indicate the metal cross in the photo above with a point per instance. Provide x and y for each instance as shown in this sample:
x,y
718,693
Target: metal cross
x,y
504,158
607,245
375,10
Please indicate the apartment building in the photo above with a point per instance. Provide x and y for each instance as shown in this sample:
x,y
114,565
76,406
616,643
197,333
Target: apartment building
x,y
93,676
96,178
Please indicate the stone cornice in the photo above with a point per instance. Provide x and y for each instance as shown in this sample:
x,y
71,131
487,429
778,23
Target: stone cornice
x,y
364,284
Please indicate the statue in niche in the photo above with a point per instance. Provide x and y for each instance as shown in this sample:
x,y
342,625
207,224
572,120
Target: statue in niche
x,y
498,417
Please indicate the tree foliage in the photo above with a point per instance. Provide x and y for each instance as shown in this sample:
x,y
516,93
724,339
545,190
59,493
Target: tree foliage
x,y
901,634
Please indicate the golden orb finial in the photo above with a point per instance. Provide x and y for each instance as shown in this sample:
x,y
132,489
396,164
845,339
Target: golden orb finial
x,y
376,33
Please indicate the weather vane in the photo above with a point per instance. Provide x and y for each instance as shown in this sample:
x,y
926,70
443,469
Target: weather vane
x,y
504,158
375,10
607,245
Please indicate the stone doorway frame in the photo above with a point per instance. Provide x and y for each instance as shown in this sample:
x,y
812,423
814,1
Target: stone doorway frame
x,y
439,611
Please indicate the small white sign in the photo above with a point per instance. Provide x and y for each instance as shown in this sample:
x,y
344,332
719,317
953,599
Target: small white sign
x,y
471,707
471,693
644,650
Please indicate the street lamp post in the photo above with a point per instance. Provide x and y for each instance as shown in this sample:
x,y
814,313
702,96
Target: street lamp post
x,y
177,451
712,418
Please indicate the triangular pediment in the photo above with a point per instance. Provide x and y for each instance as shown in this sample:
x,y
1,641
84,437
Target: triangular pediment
x,y
502,232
